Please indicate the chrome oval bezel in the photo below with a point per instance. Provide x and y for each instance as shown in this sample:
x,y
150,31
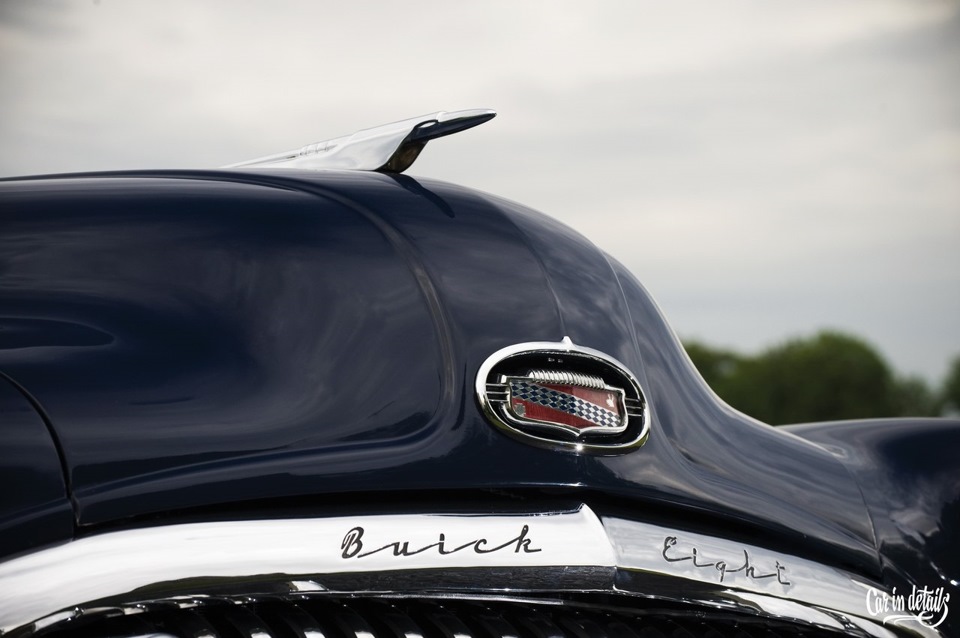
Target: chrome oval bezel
x,y
568,353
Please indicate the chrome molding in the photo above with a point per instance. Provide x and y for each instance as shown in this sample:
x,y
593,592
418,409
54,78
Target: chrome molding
x,y
781,584
490,395
566,551
389,148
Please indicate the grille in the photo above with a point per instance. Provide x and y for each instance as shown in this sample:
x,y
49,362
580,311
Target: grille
x,y
323,617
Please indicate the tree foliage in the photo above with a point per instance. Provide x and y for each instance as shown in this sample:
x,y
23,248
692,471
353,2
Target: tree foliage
x,y
826,377
951,387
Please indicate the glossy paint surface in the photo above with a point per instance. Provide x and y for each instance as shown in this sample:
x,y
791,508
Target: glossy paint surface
x,y
34,509
210,338
910,477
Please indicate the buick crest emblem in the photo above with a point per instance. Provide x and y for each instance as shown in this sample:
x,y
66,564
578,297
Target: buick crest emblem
x,y
573,402
564,396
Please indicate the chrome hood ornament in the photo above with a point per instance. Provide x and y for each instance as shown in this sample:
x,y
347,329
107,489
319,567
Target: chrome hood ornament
x,y
390,148
562,395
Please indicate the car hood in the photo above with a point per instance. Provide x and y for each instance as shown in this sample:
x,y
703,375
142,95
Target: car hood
x,y
203,340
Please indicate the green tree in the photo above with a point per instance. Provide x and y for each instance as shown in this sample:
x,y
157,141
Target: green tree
x,y
829,376
915,398
950,394
716,366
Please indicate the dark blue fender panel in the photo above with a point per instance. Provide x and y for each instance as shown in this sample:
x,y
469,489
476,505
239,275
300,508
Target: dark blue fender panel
x,y
910,478
34,509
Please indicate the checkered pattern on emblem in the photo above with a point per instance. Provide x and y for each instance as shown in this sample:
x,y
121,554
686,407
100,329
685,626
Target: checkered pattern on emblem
x,y
564,403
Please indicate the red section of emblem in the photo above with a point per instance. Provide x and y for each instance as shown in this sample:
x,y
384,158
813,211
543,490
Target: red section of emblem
x,y
574,406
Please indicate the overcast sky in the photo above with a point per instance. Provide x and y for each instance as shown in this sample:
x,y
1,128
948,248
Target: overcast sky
x,y
766,169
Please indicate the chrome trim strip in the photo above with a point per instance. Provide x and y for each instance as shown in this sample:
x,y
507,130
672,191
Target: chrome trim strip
x,y
737,571
122,563
467,554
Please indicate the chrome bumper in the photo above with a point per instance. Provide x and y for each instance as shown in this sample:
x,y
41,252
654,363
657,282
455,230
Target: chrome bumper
x,y
476,555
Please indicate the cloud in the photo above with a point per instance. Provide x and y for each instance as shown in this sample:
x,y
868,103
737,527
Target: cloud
x,y
760,165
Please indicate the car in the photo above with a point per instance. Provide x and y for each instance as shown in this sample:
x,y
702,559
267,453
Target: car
x,y
310,395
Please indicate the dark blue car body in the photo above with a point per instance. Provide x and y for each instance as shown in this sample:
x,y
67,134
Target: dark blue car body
x,y
182,346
